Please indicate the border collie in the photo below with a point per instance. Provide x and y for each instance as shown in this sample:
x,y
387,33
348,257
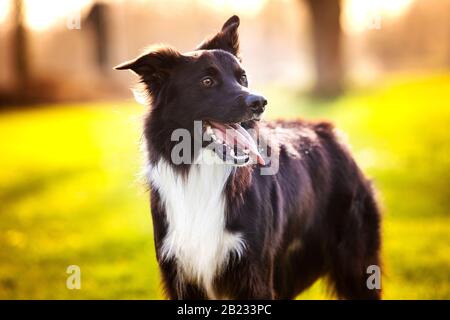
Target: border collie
x,y
231,228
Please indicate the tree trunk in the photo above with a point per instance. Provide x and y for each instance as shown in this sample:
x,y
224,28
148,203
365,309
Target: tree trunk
x,y
98,20
19,47
326,36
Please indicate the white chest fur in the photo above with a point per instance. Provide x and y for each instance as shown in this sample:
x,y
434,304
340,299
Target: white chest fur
x,y
195,211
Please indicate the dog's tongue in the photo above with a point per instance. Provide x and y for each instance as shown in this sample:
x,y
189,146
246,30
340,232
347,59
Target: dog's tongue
x,y
236,134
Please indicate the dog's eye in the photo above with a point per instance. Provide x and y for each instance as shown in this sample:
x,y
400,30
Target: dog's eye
x,y
207,82
244,80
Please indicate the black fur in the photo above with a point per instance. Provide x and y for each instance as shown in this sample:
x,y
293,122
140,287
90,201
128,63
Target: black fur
x,y
317,217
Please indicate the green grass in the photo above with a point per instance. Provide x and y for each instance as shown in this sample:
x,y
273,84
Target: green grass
x,y
71,191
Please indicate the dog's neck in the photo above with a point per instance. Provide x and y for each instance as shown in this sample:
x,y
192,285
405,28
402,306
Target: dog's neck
x,y
158,132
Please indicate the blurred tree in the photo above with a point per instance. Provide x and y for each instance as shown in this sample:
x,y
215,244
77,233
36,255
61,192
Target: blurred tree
x,y
19,45
326,36
418,39
98,20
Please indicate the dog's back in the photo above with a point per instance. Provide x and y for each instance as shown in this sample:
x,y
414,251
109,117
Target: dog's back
x,y
332,221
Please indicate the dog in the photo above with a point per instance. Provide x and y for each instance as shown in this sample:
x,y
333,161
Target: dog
x,y
225,230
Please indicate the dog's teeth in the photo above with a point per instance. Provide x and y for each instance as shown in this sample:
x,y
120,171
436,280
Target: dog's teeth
x,y
232,153
213,136
209,130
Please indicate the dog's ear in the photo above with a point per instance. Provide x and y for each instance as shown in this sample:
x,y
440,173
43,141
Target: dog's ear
x,y
154,66
226,39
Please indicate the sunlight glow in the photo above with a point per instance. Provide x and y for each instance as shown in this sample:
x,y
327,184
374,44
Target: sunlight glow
x,y
356,18
4,10
359,14
250,7
42,14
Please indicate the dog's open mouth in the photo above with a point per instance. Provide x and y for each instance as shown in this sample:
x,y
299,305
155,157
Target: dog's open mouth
x,y
231,142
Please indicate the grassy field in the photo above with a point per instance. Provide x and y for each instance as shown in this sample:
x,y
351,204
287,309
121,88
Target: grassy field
x,y
71,191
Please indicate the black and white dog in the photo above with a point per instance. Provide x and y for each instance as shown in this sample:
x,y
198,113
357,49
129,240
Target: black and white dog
x,y
226,229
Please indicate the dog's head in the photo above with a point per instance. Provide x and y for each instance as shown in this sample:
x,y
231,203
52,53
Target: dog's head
x,y
208,84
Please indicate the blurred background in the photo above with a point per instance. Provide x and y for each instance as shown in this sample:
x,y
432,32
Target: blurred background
x,y
71,188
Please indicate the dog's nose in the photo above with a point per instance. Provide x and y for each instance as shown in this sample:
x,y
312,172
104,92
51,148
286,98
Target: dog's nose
x,y
256,103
